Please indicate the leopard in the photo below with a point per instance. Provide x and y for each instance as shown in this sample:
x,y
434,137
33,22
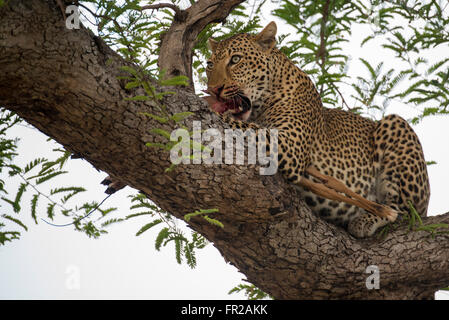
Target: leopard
x,y
253,85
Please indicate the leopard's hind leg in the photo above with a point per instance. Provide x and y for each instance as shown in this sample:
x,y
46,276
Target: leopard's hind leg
x,y
401,174
400,168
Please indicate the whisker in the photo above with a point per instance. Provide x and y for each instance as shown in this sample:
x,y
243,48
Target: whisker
x,y
234,100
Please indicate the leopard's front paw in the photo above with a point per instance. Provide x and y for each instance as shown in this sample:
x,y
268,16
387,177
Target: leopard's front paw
x,y
365,225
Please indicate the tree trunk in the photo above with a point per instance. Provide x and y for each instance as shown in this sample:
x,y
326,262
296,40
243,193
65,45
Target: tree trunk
x,y
59,80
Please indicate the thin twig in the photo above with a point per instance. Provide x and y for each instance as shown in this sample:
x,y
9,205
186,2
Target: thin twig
x,y
157,6
120,30
343,101
103,17
28,183
321,53
61,6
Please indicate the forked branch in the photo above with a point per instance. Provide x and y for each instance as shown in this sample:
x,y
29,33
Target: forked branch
x,y
178,43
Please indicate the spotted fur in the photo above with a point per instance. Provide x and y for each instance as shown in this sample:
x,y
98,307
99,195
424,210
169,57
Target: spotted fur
x,y
382,161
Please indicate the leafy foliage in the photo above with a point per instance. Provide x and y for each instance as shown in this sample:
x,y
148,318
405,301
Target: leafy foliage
x,y
408,29
140,78
36,179
251,291
203,213
169,231
415,223
320,30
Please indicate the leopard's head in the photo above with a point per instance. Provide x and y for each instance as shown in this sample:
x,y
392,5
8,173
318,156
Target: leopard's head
x,y
238,71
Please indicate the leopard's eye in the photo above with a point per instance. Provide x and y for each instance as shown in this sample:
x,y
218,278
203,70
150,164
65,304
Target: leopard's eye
x,y
210,64
235,59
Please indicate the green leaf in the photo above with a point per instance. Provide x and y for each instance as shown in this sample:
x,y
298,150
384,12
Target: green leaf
x,y
139,214
175,81
19,194
251,291
213,221
178,246
11,203
155,145
138,98
160,95
368,38
8,236
161,132
33,207
370,68
198,241
189,253
128,69
163,234
155,117
148,226
105,212
17,221
49,176
177,117
133,84
143,204
433,228
436,66
16,203
414,215
33,164
203,213
66,189
91,230
170,168
111,221
188,216
70,195
50,210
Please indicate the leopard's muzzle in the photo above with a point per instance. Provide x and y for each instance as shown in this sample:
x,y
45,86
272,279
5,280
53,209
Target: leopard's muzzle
x,y
236,102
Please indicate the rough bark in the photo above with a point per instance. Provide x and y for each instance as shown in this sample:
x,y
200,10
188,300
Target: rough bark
x,y
179,41
58,80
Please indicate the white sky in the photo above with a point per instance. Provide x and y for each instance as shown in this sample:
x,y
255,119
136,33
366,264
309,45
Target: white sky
x,y
57,263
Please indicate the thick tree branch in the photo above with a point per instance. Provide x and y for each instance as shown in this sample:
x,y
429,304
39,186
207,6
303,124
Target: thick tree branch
x,y
58,80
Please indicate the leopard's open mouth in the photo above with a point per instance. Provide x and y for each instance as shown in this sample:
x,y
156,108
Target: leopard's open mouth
x,y
239,105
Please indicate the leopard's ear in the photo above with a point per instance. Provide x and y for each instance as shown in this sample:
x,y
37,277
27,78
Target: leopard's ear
x,y
212,44
267,37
